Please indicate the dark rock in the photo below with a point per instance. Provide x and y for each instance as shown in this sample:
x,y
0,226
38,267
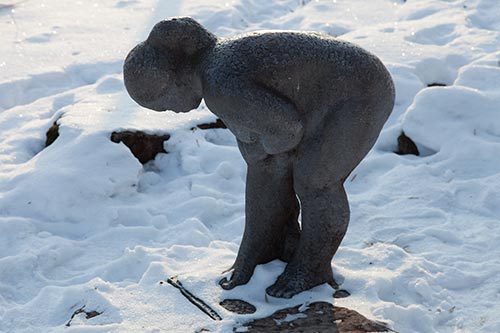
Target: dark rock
x,y
319,317
91,314
406,146
341,293
143,146
52,134
238,306
436,84
217,124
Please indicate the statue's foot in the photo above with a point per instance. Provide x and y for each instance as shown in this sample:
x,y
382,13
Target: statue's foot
x,y
241,275
294,281
243,268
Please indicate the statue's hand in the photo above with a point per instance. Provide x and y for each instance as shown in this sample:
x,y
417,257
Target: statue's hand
x,y
258,115
245,135
241,133
283,139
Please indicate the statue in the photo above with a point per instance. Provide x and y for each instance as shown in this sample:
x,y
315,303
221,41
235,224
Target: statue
x,y
305,109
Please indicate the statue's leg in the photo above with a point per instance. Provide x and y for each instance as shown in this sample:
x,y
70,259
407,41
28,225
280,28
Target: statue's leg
x,y
325,216
271,227
325,158
292,233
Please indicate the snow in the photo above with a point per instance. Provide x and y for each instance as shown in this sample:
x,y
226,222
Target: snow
x,y
84,224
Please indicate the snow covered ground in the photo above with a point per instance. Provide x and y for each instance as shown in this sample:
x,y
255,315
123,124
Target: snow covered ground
x,y
83,224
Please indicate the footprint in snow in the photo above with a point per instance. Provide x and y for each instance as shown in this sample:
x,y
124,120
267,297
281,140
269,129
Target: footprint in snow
x,y
439,35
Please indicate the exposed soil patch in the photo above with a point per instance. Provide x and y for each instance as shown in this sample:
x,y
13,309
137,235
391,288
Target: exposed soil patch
x,y
52,134
143,146
406,146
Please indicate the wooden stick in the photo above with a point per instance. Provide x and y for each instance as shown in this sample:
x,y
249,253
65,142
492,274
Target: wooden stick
x,y
200,304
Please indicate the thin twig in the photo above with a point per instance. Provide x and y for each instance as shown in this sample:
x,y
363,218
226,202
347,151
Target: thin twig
x,y
200,304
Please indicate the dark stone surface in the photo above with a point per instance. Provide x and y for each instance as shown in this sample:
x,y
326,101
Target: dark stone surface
x,y
436,84
238,306
406,146
341,293
318,317
305,109
143,146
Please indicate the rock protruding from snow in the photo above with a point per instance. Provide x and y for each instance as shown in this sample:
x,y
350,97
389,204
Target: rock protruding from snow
x,y
238,306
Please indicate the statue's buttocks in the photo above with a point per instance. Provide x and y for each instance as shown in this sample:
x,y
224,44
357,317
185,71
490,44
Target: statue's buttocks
x,y
305,108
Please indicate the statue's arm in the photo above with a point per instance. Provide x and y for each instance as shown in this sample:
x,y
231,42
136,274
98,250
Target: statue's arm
x,y
273,119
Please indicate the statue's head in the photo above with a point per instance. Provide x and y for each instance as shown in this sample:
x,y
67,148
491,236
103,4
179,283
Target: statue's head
x,y
161,72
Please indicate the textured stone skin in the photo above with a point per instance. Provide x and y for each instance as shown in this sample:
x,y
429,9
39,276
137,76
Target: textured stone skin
x,y
305,109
